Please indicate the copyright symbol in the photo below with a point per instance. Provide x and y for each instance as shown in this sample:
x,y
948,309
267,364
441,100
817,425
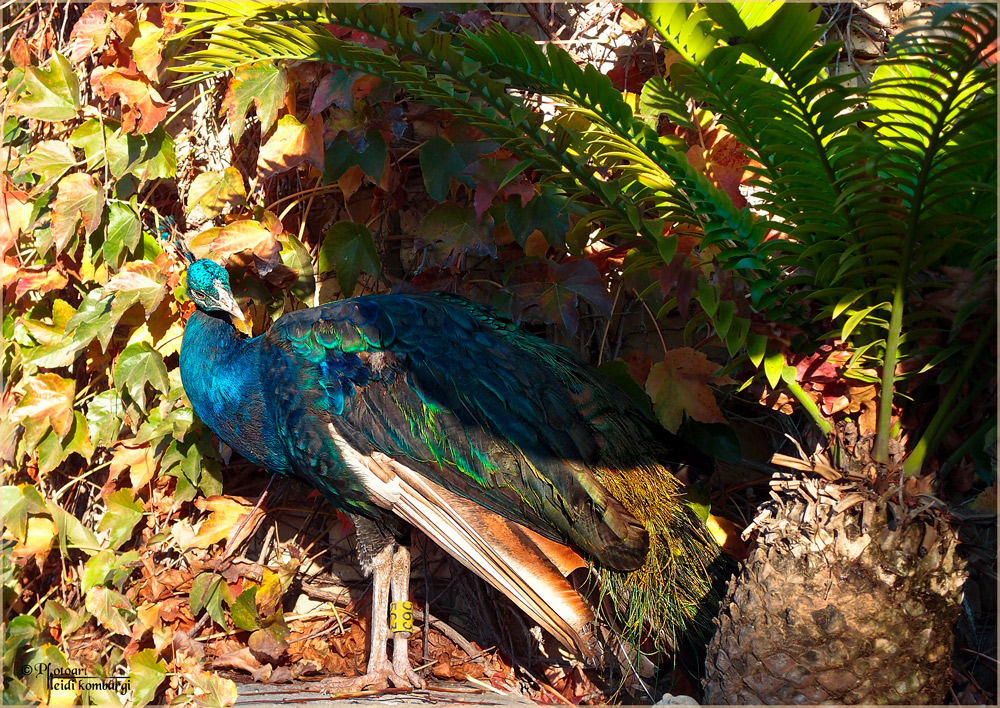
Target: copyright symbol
x,y
25,670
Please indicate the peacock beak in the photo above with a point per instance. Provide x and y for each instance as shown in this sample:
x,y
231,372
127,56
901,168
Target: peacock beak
x,y
227,303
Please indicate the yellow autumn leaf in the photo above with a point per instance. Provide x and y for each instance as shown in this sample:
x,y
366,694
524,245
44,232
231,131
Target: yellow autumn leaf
x,y
38,540
227,514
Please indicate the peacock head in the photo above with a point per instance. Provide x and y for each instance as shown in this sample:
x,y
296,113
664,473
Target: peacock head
x,y
208,288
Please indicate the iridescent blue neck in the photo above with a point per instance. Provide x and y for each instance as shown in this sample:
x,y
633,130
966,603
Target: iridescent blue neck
x,y
220,371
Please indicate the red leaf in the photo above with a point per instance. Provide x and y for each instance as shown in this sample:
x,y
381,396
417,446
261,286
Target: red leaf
x,y
90,32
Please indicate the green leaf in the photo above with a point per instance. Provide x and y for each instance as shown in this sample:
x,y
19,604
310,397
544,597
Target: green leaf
x,y
123,235
51,159
138,365
244,610
107,607
146,673
449,230
262,84
207,593
855,319
72,533
97,570
124,512
93,319
440,163
51,94
16,503
774,364
104,417
349,248
298,258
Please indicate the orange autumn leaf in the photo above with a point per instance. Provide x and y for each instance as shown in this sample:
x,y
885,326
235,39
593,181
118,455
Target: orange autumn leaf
x,y
248,235
40,279
227,514
142,106
679,386
139,461
291,144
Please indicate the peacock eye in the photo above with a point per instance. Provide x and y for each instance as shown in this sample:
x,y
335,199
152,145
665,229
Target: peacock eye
x,y
198,293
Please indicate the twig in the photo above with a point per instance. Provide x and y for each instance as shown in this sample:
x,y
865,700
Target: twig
x,y
538,19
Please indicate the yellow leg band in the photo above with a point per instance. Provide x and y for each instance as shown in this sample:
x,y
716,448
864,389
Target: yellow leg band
x,y
400,617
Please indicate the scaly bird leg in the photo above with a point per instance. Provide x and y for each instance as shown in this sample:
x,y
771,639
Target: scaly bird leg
x,y
390,567
400,585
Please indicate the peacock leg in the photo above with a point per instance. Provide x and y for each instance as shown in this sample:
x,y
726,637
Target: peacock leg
x,y
400,585
378,551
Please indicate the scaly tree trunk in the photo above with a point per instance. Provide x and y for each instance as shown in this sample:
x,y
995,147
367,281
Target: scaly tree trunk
x,y
845,599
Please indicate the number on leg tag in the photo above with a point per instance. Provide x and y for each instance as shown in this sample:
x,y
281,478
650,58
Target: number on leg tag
x,y
400,617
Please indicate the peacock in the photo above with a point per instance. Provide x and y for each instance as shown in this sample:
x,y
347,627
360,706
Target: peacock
x,y
430,412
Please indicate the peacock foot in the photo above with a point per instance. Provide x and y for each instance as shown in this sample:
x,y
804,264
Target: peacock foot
x,y
377,678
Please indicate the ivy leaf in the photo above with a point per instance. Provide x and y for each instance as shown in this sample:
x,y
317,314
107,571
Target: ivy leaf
x,y
298,258
140,462
51,94
147,49
97,570
40,533
104,418
544,212
159,159
440,163
249,235
348,249
216,691
90,32
492,177
124,512
270,640
138,365
71,531
16,208
107,606
94,319
39,279
51,159
53,449
123,234
262,84
212,191
617,371
80,197
244,610
292,144
146,673
48,402
106,140
450,230
679,386
207,593
552,292
143,278
15,505
141,104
